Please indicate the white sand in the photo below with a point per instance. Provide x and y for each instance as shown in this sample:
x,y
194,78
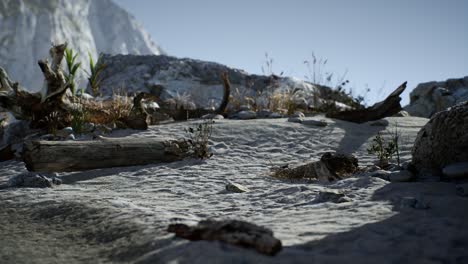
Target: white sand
x,y
120,214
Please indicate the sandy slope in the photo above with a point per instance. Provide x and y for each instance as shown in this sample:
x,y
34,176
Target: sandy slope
x,y
120,214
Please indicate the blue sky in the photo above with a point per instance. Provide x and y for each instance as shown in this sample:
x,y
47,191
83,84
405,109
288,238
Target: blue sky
x,y
380,43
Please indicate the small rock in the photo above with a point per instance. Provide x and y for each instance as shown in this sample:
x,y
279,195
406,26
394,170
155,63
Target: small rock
x,y
235,232
101,130
462,189
298,114
70,137
321,123
245,108
333,197
402,113
380,122
382,174
56,181
30,179
248,114
400,176
212,116
218,117
295,119
456,170
264,113
236,188
341,165
393,167
65,132
275,115
372,168
88,127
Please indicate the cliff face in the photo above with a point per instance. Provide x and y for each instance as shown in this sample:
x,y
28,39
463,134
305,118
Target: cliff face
x,y
171,77
27,28
432,97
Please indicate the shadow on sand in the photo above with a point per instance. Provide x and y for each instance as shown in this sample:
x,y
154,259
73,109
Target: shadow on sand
x,y
93,174
437,234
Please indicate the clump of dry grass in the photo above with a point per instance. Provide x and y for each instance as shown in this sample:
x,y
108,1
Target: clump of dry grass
x,y
198,139
54,121
110,111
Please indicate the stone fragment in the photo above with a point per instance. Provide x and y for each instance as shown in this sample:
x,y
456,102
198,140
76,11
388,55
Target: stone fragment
x,y
234,232
236,188
247,114
329,196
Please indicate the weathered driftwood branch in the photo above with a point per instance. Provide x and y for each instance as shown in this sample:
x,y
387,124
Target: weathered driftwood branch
x,y
238,233
388,107
227,92
184,114
36,106
56,156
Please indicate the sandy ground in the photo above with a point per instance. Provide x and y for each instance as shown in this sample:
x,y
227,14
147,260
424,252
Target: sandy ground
x,y
121,214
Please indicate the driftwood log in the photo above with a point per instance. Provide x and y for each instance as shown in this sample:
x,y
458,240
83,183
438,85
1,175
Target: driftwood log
x,y
388,107
57,156
235,232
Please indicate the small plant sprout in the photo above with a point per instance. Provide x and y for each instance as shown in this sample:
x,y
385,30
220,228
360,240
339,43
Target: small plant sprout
x,y
198,139
385,149
78,119
267,68
72,68
53,121
95,71
396,139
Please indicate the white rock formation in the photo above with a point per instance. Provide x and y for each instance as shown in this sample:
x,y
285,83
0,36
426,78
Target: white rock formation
x,y
432,97
27,28
195,80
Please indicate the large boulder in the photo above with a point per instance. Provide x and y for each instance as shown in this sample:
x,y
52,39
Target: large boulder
x,y
431,97
443,140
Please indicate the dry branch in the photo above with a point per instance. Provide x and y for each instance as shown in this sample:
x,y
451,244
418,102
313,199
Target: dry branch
x,y
36,106
388,107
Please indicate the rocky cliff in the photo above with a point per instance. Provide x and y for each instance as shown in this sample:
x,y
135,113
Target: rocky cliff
x,y
198,81
432,97
27,28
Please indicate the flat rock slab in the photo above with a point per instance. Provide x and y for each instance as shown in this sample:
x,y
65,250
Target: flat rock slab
x,y
234,232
